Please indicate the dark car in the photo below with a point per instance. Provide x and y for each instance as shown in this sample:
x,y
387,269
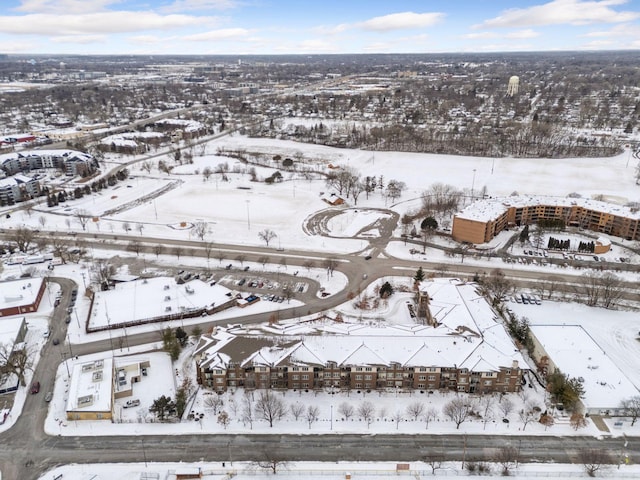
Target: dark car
x,y
56,341
35,388
368,257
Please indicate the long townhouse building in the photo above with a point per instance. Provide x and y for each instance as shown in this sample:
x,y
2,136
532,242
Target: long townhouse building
x,y
461,347
484,219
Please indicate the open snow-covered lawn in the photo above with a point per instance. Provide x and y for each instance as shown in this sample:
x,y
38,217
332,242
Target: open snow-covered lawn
x,y
327,471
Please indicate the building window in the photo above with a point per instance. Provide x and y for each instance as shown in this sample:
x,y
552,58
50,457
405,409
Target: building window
x,y
367,369
295,377
432,378
305,377
422,377
487,382
358,377
367,377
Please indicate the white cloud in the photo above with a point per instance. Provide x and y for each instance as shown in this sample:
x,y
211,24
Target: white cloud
x,y
401,21
64,6
222,34
79,39
516,34
617,31
386,23
190,5
557,12
96,23
528,33
17,47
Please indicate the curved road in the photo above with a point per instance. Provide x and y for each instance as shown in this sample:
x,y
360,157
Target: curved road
x,y
26,451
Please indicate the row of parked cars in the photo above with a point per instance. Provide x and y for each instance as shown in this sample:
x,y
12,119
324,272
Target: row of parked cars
x,y
526,298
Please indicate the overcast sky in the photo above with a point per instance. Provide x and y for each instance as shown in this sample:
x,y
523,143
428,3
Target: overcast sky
x,y
315,26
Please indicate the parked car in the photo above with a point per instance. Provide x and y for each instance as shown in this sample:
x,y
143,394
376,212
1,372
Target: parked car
x,y
48,397
132,403
35,388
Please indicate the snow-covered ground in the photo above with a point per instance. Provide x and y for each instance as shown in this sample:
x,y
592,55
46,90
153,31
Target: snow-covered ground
x,y
237,210
327,471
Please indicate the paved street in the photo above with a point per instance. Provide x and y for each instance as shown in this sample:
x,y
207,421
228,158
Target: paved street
x,y
26,451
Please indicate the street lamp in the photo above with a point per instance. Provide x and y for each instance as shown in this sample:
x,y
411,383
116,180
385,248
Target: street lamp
x,y
248,219
473,182
332,416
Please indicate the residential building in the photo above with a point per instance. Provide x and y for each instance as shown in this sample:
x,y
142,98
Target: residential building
x,y
71,162
464,349
484,219
17,189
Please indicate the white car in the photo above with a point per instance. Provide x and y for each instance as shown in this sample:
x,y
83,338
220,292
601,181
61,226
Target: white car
x,y
46,333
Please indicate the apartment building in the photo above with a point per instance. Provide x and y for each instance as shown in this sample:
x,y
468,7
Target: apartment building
x,y
483,220
452,353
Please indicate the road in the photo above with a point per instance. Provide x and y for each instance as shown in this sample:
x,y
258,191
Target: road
x,y
26,451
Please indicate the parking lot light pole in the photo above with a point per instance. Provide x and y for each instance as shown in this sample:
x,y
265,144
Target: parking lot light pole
x,y
248,219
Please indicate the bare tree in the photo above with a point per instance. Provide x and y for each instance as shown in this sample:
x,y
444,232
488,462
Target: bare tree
x,y
102,271
269,407
430,415
308,264
224,419
527,415
263,260
267,235
42,220
297,410
220,256
415,410
366,411
126,226
577,420
22,237
457,410
16,360
208,251
506,406
330,264
200,229
271,461
631,407
177,251
397,417
241,258
312,414
507,456
346,410
83,217
547,420
134,247
594,459
434,459
486,405
214,402
158,249
206,173
246,411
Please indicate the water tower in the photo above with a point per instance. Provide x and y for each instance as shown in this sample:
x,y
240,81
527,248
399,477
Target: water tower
x,y
512,88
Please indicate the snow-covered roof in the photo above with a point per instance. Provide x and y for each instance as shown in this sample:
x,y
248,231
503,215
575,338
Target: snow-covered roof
x,y
468,336
15,293
15,180
151,298
576,354
90,389
492,208
9,328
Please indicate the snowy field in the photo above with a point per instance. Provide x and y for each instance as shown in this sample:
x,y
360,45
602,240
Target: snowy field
x,y
237,209
326,471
